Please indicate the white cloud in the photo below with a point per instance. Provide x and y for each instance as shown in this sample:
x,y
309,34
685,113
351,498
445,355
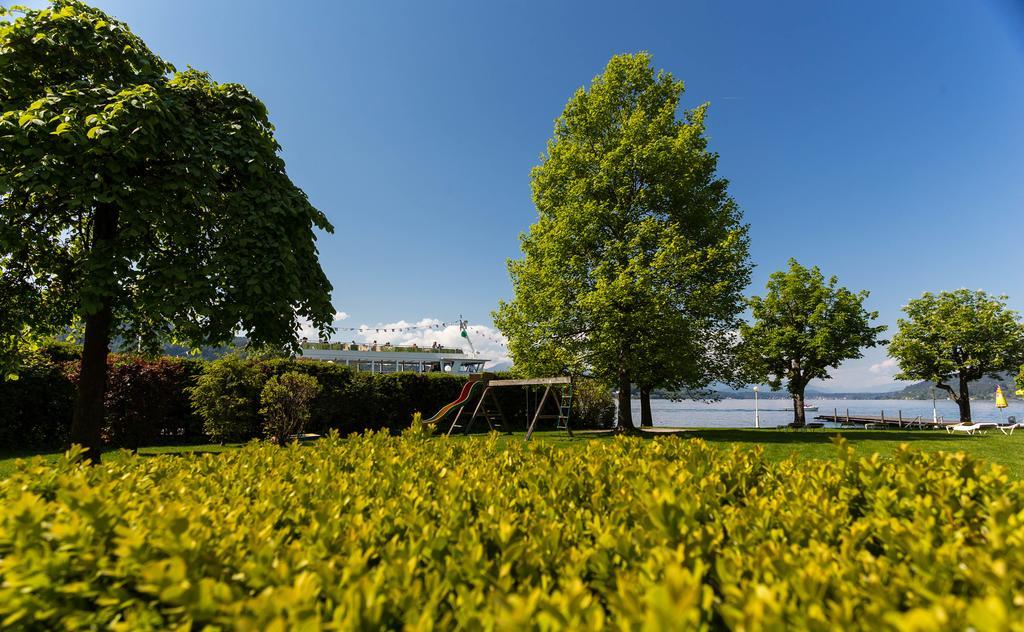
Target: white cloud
x,y
308,331
885,367
875,372
488,342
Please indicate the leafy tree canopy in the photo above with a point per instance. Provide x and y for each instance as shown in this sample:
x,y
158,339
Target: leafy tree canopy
x,y
802,327
639,255
140,201
209,236
961,335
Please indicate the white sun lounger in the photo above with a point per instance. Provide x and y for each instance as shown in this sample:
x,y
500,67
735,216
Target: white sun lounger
x,y
972,428
1009,428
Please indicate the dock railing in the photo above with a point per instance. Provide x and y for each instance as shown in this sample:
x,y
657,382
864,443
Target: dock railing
x,y
881,421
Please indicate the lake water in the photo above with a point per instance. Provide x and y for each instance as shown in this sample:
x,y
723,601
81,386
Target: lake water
x,y
739,413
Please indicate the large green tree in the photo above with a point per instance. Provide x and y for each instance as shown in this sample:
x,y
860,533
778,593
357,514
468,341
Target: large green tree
x,y
802,327
954,338
635,268
141,202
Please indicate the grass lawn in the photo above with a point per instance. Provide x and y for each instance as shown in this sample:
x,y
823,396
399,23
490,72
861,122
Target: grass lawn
x,y
777,444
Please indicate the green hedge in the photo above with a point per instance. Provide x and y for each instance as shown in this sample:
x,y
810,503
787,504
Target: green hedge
x,y
152,401
383,532
35,409
227,396
350,401
146,402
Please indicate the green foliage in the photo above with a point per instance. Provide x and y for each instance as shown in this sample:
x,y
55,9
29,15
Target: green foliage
x,y
209,235
145,403
961,335
177,400
60,351
35,409
417,429
227,397
593,404
140,202
626,533
285,406
638,259
803,326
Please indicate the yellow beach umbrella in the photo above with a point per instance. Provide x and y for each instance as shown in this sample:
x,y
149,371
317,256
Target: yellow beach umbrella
x,y
1000,400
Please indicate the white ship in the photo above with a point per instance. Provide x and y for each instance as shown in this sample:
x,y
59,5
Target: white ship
x,y
388,358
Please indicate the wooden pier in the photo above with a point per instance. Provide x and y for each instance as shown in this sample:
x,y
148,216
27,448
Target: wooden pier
x,y
884,421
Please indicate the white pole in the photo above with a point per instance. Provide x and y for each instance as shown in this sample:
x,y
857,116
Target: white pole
x,y
935,413
757,413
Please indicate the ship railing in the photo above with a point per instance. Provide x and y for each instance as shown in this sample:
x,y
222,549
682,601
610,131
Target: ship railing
x,y
345,346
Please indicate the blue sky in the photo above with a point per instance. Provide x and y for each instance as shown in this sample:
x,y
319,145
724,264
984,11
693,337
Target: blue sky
x,y
882,141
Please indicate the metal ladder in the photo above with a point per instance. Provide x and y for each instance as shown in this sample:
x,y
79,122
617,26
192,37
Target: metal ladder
x,y
565,407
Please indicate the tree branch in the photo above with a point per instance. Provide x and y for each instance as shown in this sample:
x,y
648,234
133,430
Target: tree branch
x,y
948,389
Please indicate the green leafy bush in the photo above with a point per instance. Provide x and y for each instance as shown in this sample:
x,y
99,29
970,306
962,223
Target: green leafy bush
x,y
389,532
227,397
593,403
285,405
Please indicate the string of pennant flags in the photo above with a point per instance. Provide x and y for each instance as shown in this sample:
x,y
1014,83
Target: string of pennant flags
x,y
478,330
434,326
482,333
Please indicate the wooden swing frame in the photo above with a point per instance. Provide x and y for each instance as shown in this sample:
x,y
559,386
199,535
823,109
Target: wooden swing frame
x,y
549,392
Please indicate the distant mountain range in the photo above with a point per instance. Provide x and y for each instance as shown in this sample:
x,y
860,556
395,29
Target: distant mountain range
x,y
985,388
982,389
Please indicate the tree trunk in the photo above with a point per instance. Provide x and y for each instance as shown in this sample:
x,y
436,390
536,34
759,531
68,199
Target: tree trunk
x,y
625,402
797,384
646,419
964,400
87,420
799,416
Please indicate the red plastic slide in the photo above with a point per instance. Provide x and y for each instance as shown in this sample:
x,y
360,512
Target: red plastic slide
x,y
467,390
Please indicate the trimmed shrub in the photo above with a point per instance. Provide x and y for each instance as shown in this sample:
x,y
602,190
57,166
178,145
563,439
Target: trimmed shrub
x,y
382,532
594,404
169,399
147,401
36,408
61,351
348,401
227,398
285,405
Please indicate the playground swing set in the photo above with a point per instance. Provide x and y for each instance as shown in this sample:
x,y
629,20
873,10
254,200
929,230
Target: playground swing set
x,y
480,389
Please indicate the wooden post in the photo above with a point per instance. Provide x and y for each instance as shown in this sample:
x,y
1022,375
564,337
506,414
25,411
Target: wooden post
x,y
883,419
476,410
456,420
536,415
501,413
900,413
